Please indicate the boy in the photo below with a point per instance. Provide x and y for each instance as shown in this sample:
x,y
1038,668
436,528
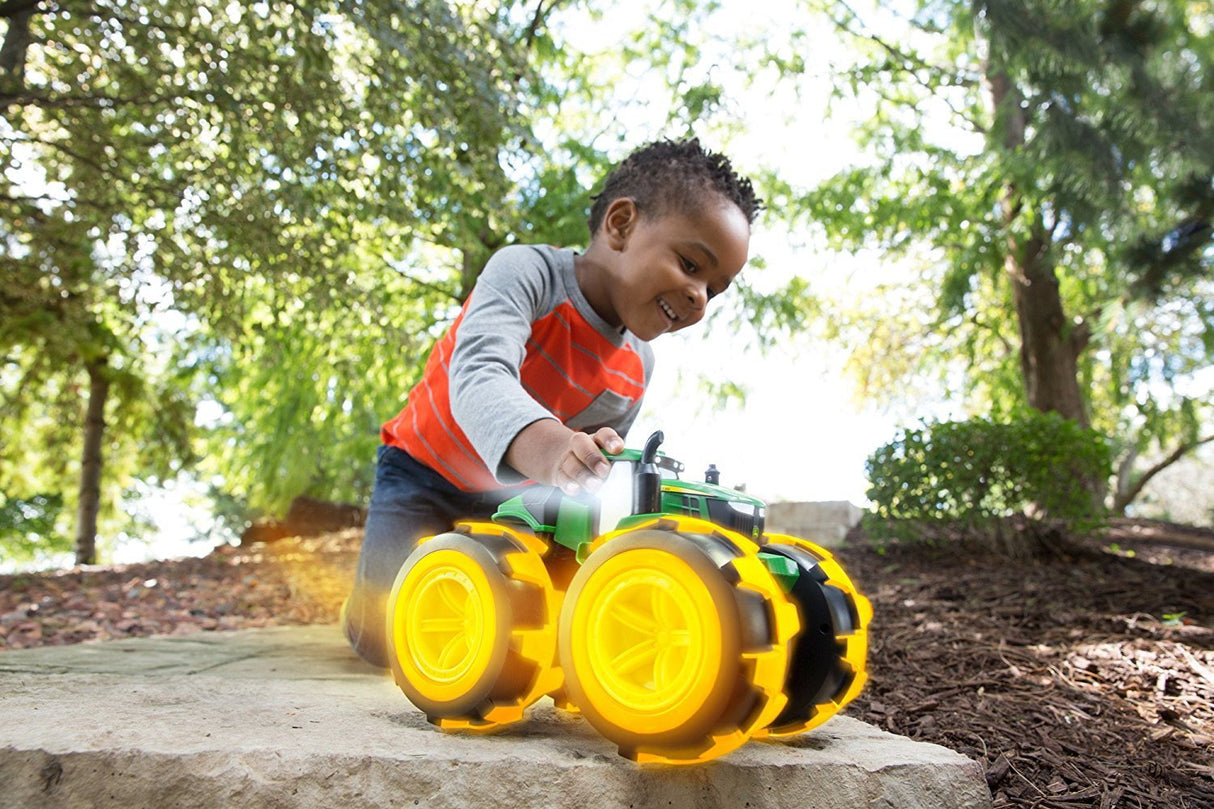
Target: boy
x,y
546,365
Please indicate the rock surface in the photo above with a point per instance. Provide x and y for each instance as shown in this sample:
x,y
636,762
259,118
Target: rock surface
x,y
287,717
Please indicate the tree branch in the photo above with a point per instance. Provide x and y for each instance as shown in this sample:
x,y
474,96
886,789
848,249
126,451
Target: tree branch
x,y
537,19
430,285
1123,498
11,8
148,185
910,63
1008,348
52,101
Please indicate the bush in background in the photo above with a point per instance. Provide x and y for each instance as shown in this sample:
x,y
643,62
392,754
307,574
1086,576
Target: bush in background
x,y
979,475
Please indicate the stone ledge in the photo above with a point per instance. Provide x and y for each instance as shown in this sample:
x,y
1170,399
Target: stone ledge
x,y
289,718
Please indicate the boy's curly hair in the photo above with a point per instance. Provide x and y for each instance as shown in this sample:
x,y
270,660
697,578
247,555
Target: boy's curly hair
x,y
673,175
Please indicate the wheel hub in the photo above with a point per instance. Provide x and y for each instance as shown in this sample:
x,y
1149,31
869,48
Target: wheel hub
x,y
446,622
647,638
648,653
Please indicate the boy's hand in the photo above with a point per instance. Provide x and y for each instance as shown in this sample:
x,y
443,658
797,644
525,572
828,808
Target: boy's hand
x,y
582,466
549,452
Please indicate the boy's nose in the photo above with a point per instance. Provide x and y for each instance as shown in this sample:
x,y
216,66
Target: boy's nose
x,y
697,295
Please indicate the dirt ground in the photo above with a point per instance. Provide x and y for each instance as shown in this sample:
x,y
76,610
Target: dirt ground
x,y
1083,679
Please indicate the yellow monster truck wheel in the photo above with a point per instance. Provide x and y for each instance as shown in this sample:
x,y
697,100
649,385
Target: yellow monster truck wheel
x,y
674,640
829,654
471,626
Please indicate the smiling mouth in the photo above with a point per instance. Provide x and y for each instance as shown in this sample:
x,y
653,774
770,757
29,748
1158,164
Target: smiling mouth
x,y
670,313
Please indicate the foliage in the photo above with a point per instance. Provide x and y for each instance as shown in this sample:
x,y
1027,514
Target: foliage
x,y
302,394
1047,146
257,217
27,528
175,175
980,471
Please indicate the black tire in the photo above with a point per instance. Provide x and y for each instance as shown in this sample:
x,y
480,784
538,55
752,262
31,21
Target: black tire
x,y
827,665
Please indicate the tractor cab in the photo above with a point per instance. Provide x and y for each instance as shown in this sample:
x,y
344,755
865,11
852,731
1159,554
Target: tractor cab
x,y
573,521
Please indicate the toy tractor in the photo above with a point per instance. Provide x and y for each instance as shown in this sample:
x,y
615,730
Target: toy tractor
x,y
679,635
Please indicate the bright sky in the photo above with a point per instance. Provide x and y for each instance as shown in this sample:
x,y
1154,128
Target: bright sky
x,y
798,437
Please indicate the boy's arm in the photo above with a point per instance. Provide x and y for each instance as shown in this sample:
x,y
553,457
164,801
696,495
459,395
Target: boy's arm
x,y
514,435
487,399
549,452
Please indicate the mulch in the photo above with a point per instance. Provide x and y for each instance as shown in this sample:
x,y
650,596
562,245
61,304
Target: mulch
x,y
292,581
1085,678
1082,679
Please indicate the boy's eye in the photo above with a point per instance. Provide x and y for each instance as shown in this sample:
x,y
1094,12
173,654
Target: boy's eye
x,y
688,266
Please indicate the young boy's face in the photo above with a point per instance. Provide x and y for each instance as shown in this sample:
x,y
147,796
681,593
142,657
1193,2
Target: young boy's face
x,y
668,267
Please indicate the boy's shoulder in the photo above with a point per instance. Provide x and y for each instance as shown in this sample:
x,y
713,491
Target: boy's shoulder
x,y
538,278
537,256
536,270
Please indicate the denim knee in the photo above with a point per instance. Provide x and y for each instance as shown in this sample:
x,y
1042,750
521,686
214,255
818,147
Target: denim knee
x,y
410,501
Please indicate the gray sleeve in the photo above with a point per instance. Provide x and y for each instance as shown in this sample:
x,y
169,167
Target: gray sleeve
x,y
487,397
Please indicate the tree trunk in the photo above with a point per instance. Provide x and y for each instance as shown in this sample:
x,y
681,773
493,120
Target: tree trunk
x,y
16,41
1049,343
474,258
90,466
472,262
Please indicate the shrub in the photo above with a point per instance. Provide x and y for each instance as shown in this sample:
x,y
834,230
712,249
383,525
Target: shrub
x,y
978,472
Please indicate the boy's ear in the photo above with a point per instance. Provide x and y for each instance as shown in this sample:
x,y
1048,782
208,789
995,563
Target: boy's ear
x,y
619,221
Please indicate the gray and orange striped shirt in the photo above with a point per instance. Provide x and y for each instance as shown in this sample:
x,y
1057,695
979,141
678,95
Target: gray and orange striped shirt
x,y
526,346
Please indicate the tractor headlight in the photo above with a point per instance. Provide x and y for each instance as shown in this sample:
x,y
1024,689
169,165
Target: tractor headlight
x,y
745,518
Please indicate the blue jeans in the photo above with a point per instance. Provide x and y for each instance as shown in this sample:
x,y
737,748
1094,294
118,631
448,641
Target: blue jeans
x,y
410,501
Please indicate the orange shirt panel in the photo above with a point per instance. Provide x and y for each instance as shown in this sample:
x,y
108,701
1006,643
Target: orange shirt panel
x,y
568,364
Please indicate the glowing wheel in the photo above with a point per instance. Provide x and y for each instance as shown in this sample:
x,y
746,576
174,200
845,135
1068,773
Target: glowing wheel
x,y
451,620
666,644
658,639
470,627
